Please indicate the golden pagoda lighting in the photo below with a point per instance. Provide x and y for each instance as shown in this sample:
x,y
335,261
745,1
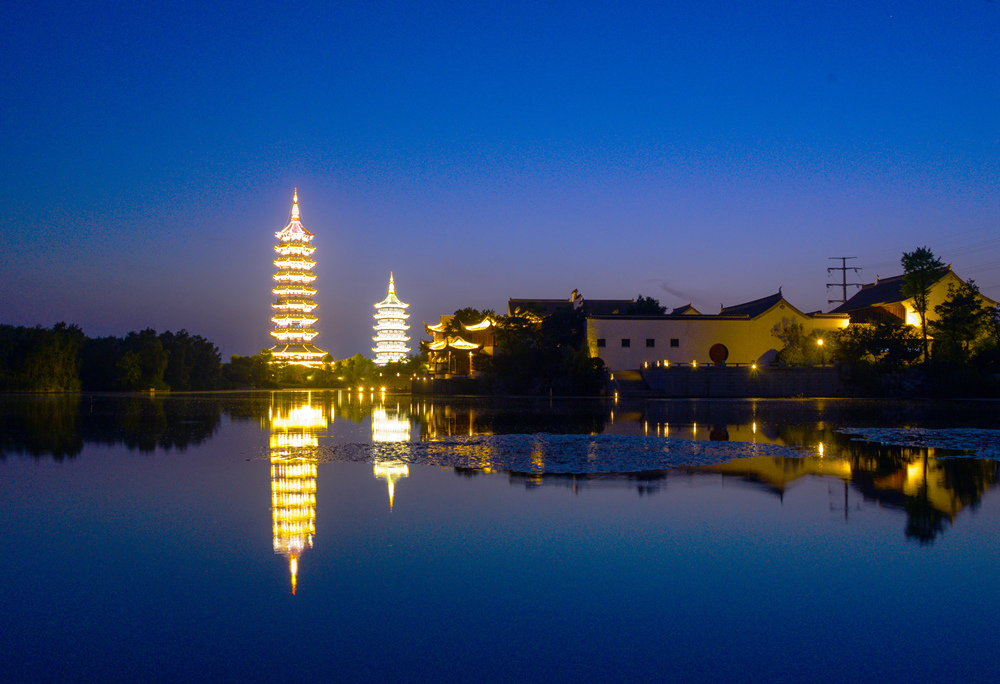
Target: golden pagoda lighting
x,y
390,328
293,320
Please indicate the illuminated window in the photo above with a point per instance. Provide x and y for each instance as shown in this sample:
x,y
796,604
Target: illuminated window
x,y
601,342
674,342
650,342
626,342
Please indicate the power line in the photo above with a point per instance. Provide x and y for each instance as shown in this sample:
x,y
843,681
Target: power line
x,y
843,268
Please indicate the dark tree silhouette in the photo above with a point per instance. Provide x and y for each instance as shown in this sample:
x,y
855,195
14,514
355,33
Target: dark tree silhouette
x,y
921,271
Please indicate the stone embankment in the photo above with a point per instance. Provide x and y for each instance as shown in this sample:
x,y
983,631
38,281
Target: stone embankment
x,y
719,382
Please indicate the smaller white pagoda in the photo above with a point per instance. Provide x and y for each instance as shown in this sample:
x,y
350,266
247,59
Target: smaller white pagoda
x,y
390,328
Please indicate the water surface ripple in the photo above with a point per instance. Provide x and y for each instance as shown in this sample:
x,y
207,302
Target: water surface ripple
x,y
555,453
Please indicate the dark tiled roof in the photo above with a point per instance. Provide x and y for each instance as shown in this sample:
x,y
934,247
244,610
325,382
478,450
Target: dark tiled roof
x,y
686,310
754,308
606,307
594,307
541,307
884,291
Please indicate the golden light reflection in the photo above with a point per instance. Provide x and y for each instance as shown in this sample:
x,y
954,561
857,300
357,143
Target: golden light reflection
x,y
390,471
538,455
390,425
293,476
780,473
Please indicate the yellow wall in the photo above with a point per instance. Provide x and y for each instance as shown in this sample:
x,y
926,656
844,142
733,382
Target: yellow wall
x,y
748,340
938,293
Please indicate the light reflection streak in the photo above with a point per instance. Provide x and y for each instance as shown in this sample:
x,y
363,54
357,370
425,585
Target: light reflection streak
x,y
293,476
390,425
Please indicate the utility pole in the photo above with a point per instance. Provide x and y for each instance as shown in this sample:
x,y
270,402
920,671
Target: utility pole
x,y
843,268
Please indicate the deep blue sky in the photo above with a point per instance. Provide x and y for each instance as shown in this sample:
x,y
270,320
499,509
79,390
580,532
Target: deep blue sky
x,y
708,152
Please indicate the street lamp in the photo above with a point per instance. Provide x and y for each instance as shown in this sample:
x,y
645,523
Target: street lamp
x,y
822,361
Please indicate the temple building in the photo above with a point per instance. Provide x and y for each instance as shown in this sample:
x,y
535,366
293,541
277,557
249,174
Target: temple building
x,y
293,318
885,297
745,333
591,307
454,346
390,328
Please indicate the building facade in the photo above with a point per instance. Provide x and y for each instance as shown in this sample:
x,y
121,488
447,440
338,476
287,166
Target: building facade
x,y
742,334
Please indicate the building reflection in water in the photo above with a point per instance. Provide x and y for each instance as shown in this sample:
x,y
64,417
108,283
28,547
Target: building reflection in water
x,y
390,425
293,427
931,488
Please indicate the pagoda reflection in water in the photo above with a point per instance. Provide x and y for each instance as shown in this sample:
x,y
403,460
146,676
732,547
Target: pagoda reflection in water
x,y
390,425
293,476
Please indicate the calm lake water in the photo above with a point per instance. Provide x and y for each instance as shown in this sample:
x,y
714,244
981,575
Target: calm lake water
x,y
294,537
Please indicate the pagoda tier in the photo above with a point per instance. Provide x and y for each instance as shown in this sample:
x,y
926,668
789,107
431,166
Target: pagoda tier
x,y
297,248
294,262
299,354
293,322
390,328
294,290
294,305
294,276
294,334
291,319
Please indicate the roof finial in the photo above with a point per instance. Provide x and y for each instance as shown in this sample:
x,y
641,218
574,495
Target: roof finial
x,y
392,286
295,205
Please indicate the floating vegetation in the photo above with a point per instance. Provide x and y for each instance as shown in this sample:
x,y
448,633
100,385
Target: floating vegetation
x,y
551,453
962,441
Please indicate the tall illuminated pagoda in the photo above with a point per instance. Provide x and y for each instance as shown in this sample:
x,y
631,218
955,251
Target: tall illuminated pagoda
x,y
391,327
293,318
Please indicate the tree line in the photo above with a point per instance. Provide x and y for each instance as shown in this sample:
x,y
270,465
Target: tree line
x,y
261,371
63,359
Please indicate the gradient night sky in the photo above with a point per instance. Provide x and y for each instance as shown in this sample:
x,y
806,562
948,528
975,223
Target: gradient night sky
x,y
706,152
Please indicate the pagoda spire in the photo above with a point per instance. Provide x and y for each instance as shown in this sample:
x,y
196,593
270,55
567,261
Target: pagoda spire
x,y
392,285
295,205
